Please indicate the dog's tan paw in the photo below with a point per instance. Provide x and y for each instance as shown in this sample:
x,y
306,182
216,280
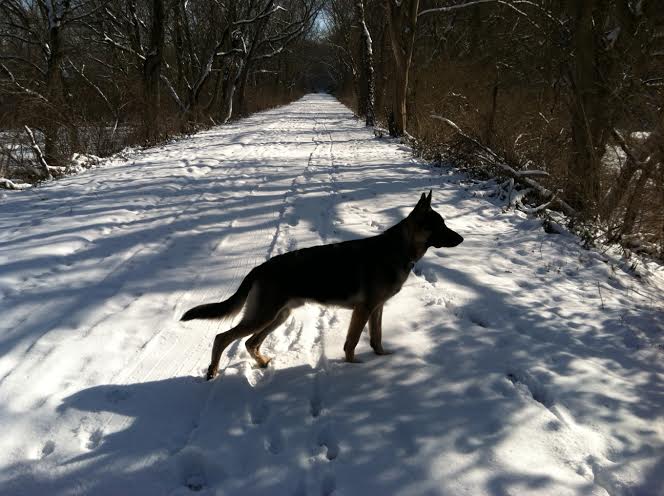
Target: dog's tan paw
x,y
211,374
263,362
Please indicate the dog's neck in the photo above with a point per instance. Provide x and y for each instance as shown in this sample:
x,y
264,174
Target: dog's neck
x,y
413,245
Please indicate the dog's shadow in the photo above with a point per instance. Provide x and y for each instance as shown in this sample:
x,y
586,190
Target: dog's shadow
x,y
249,424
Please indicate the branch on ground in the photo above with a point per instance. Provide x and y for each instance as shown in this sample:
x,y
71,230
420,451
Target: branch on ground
x,y
520,176
46,170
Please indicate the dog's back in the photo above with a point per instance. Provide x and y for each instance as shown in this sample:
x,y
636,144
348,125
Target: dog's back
x,y
338,273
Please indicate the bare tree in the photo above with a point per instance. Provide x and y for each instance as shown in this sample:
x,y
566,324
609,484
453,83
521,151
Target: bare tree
x,y
402,21
152,69
368,97
32,34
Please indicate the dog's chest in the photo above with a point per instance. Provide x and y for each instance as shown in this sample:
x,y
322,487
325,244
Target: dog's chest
x,y
394,283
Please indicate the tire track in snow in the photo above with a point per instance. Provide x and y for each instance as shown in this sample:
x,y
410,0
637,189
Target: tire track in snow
x,y
275,235
188,343
300,342
319,476
258,413
196,295
128,260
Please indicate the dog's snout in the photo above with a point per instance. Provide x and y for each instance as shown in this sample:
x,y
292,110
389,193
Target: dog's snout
x,y
455,239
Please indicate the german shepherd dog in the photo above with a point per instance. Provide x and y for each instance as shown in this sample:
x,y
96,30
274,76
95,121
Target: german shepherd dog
x,y
360,275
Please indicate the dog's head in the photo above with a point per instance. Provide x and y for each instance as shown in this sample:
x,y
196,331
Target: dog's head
x,y
430,227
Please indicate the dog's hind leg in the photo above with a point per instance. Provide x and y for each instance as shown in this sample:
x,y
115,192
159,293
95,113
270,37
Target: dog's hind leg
x,y
260,312
222,340
357,323
253,344
376,331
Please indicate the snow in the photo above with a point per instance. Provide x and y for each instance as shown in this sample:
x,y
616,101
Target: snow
x,y
523,363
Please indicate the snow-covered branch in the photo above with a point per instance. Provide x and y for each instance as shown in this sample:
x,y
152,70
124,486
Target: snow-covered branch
x,y
451,8
25,61
93,86
22,88
45,169
9,184
173,93
266,13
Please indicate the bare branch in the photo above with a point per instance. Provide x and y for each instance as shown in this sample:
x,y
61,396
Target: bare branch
x,y
510,171
452,8
24,61
23,88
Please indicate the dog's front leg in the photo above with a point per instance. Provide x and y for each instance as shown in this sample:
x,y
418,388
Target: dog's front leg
x,y
357,323
376,331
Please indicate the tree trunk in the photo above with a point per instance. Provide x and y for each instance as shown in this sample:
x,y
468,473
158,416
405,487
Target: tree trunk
x,y
152,71
588,110
54,93
382,67
491,118
241,88
368,77
228,89
402,19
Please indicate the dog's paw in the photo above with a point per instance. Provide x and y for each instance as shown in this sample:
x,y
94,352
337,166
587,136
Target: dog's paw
x,y
382,351
211,374
262,361
353,360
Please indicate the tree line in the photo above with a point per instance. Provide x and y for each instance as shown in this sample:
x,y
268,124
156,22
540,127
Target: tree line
x,y
570,91
91,76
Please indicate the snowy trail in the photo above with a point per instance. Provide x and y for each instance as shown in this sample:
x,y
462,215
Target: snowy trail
x,y
523,364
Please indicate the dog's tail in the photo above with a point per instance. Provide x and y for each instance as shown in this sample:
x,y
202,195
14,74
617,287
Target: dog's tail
x,y
229,307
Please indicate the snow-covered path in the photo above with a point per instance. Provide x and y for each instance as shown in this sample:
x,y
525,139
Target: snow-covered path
x,y
523,364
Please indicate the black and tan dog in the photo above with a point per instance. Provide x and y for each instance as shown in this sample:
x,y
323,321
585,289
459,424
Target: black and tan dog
x,y
361,275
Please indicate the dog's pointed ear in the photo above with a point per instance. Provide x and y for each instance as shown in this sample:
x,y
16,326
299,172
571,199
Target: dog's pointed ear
x,y
420,203
424,203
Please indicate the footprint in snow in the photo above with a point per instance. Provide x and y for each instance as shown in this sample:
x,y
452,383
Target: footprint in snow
x,y
328,439
274,442
259,413
478,320
528,386
316,399
525,284
48,448
193,469
431,300
376,225
95,439
428,275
